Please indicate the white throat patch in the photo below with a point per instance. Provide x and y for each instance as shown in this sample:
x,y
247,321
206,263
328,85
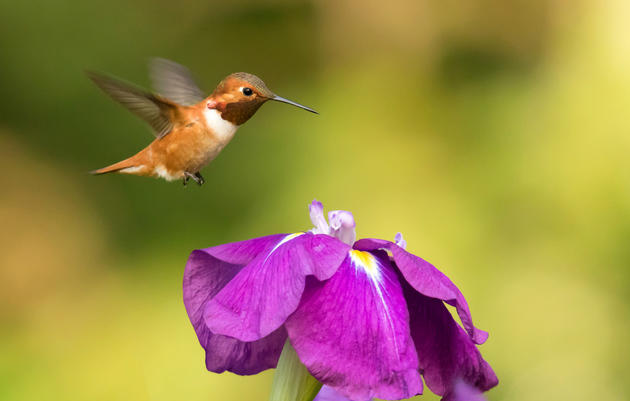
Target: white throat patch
x,y
223,129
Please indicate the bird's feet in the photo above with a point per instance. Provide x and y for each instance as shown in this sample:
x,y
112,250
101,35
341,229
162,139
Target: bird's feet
x,y
197,177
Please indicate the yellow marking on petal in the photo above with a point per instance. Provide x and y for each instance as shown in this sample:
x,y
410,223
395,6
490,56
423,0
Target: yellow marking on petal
x,y
370,265
366,260
291,236
284,241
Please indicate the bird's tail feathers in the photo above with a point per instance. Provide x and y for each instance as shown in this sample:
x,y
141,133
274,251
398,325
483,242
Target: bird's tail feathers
x,y
127,166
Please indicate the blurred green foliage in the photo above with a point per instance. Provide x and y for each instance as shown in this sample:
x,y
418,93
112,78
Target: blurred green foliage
x,y
494,135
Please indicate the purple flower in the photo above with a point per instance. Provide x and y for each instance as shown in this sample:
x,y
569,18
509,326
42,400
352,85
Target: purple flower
x,y
366,318
329,394
462,391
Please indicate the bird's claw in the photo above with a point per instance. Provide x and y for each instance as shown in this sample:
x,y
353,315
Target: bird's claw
x,y
197,177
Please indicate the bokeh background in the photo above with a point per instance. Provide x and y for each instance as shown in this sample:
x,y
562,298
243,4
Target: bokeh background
x,y
493,134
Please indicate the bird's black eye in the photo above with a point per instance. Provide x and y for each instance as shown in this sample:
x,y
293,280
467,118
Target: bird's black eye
x,y
247,91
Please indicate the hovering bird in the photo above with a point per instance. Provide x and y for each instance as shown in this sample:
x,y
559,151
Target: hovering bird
x,y
190,129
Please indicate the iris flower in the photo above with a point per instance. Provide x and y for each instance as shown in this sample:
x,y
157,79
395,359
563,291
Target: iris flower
x,y
366,318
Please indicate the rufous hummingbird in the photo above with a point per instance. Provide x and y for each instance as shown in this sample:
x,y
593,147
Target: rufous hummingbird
x,y
190,128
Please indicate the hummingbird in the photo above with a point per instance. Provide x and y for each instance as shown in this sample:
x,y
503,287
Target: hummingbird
x,y
190,129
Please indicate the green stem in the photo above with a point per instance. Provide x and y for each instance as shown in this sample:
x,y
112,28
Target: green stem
x,y
292,382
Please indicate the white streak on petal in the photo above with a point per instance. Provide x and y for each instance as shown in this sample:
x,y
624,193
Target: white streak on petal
x,y
367,263
284,241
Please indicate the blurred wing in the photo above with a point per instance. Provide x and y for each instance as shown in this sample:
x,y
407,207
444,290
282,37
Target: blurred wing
x,y
174,82
157,112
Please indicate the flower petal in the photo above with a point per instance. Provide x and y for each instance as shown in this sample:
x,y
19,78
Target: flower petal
x,y
400,241
329,394
462,391
240,357
352,331
427,280
316,211
342,226
243,252
260,297
446,352
204,277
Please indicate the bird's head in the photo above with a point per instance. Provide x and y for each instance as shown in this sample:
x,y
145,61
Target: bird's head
x,y
239,96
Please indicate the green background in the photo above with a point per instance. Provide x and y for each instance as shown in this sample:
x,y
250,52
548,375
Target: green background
x,y
494,135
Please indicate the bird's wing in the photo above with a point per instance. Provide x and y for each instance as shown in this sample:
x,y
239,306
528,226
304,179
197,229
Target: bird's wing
x,y
174,82
157,112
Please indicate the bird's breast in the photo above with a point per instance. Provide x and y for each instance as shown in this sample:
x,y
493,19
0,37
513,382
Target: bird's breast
x,y
221,129
194,144
199,143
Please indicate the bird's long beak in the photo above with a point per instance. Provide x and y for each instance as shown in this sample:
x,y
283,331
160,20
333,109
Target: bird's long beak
x,y
283,100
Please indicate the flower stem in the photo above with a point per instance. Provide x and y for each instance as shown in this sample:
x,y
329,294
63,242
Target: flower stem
x,y
292,382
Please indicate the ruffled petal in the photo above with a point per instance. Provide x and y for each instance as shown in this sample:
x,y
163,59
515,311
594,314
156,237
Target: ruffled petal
x,y
427,280
352,331
462,391
260,297
243,252
446,353
329,394
240,357
204,277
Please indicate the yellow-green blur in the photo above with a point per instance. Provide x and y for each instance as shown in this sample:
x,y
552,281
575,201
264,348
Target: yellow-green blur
x,y
494,135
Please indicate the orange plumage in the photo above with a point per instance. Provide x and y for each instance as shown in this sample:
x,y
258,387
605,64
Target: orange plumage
x,y
190,129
